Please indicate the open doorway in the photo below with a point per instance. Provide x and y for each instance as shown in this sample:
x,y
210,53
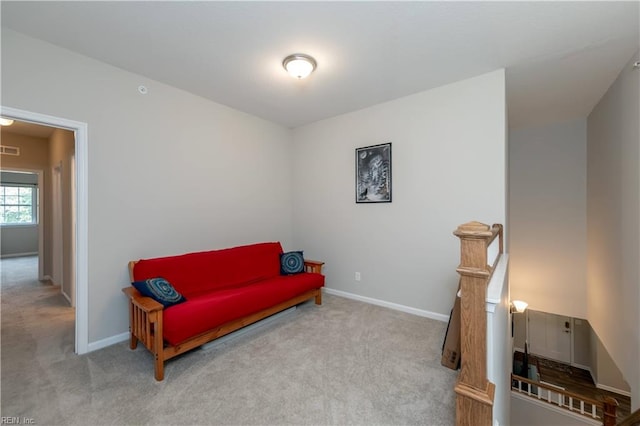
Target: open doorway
x,y
36,202
36,217
71,165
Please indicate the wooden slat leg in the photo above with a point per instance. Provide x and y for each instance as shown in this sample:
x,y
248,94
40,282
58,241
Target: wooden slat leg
x,y
159,368
133,340
158,348
319,297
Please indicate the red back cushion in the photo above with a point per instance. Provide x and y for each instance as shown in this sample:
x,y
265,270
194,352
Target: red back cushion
x,y
199,272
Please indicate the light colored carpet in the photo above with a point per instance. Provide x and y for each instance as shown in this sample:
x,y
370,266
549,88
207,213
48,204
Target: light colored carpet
x,y
342,363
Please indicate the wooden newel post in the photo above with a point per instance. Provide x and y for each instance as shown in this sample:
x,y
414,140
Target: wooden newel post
x,y
610,406
474,392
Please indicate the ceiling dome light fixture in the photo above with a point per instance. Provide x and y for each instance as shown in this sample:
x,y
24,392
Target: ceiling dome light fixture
x,y
519,306
299,65
5,121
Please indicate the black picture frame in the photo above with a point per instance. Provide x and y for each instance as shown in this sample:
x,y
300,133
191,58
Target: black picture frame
x,y
373,174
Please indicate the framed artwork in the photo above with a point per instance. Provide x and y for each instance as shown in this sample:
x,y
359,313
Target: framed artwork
x,y
373,174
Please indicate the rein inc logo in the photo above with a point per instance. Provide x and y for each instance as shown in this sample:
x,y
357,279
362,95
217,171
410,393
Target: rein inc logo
x,y
6,420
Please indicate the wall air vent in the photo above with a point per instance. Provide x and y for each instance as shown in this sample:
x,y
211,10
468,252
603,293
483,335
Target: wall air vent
x,y
9,150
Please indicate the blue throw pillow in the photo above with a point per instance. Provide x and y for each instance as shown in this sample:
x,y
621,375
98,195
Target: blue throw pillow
x,y
291,263
159,290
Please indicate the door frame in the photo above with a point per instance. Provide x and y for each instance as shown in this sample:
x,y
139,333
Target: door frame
x,y
57,255
81,257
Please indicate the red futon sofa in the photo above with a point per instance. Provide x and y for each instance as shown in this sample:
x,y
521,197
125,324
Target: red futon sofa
x,y
224,290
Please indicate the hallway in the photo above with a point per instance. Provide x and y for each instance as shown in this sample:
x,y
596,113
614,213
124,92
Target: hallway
x,y
29,304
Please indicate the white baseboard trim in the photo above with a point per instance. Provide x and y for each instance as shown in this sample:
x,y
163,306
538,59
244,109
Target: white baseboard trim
x,y
614,390
390,305
6,256
118,338
66,296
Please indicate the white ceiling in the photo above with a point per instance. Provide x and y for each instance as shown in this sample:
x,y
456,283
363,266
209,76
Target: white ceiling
x,y
560,57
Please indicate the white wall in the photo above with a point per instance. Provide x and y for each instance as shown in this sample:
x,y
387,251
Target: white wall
x,y
547,217
606,374
499,355
19,240
526,411
169,172
448,168
613,208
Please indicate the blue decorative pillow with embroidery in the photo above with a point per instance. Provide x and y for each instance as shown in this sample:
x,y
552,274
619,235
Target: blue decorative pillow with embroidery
x,y
159,290
291,263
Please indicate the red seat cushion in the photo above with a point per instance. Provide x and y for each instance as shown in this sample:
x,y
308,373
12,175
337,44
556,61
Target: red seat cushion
x,y
206,310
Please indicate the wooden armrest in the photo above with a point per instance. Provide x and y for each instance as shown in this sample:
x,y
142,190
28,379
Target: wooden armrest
x,y
145,303
313,266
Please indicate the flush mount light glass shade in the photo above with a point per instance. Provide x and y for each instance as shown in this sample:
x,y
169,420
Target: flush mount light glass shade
x,y
519,305
299,65
5,121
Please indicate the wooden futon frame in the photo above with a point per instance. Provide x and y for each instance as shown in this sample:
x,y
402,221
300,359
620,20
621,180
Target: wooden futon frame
x,y
145,321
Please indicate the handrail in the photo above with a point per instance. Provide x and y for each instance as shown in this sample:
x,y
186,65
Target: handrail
x,y
607,407
632,419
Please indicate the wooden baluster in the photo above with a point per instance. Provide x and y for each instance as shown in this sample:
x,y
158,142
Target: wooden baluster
x,y
474,393
610,406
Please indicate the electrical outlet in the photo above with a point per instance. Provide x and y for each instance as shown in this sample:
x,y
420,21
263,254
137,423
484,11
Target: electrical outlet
x,y
357,276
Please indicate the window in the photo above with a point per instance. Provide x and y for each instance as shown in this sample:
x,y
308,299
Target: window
x,y
18,204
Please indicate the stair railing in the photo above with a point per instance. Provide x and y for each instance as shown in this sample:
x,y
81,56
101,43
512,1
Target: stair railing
x,y
602,410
